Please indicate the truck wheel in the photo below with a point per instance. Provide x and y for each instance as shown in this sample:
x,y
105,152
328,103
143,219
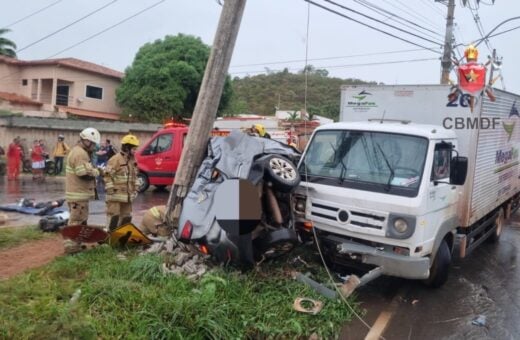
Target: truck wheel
x,y
440,267
283,173
499,222
142,182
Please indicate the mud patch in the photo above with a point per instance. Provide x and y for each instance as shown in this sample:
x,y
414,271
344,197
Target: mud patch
x,y
16,260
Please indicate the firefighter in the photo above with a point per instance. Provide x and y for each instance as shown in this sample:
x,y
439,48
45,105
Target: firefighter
x,y
120,183
260,130
80,181
153,221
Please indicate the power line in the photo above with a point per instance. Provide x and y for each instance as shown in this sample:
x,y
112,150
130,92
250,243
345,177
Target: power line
x,y
372,27
32,14
381,22
109,28
347,65
330,58
67,26
392,16
431,6
418,17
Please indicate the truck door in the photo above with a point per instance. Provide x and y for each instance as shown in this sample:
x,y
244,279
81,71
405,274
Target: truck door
x,y
159,157
442,196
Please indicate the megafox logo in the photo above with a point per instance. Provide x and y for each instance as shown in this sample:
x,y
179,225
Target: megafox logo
x,y
361,100
509,126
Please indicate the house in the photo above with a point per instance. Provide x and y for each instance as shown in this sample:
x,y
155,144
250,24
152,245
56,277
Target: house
x,y
67,85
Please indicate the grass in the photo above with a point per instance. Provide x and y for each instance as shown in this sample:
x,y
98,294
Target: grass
x,y
132,299
10,237
9,113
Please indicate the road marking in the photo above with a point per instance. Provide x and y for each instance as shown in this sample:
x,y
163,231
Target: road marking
x,y
383,320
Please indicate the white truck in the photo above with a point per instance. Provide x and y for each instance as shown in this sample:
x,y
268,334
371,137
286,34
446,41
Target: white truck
x,y
406,175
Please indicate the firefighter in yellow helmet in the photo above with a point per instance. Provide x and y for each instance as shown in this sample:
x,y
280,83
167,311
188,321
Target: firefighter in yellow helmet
x,y
120,183
260,130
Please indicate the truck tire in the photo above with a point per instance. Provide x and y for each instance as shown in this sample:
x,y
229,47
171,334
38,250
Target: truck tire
x,y
282,172
143,182
499,222
440,266
277,243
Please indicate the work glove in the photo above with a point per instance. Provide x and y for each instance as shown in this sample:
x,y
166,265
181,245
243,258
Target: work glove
x,y
110,191
133,195
101,169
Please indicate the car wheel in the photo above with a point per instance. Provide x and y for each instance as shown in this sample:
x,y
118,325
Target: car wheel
x,y
142,182
277,243
283,173
50,167
27,166
499,222
440,266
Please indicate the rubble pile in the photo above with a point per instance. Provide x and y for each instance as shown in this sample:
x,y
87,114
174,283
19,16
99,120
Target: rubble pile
x,y
180,258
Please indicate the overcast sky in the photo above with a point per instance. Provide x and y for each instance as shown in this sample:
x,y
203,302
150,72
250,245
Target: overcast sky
x,y
272,31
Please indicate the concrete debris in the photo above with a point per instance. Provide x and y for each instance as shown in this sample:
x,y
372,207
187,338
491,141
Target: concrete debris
x,y
180,259
306,305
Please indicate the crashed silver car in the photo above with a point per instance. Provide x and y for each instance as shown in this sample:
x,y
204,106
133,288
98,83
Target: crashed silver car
x,y
239,207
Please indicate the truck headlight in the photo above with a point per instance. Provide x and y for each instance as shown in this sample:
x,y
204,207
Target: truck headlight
x,y
400,225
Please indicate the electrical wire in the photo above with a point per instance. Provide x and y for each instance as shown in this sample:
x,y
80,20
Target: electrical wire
x,y
410,13
382,22
32,14
372,27
307,188
108,28
330,58
436,9
396,18
348,65
66,26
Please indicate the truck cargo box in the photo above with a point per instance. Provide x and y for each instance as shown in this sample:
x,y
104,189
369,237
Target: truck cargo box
x,y
489,135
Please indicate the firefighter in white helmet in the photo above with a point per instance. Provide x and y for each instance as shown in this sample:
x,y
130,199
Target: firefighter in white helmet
x,y
120,183
80,180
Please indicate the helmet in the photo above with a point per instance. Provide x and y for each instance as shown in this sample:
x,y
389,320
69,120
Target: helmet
x,y
260,129
130,139
471,53
90,134
61,137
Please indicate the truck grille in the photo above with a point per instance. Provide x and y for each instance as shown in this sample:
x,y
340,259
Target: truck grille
x,y
356,218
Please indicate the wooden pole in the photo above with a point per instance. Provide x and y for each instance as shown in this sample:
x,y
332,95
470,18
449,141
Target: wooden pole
x,y
206,107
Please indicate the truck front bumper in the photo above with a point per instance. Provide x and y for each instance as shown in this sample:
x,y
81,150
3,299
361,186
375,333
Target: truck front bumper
x,y
390,263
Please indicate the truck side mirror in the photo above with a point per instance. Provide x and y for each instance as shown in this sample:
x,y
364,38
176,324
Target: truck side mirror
x,y
458,170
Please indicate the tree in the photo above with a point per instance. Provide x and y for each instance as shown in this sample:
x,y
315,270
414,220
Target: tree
x,y
164,79
7,47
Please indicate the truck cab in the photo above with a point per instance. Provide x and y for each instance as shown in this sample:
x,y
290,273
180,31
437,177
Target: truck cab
x,y
158,159
383,195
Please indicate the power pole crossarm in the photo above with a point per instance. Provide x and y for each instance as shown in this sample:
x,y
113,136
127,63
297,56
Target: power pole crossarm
x,y
207,104
446,57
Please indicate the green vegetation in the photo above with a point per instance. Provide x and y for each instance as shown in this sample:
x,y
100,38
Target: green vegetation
x,y
165,78
261,94
7,47
10,237
132,299
9,113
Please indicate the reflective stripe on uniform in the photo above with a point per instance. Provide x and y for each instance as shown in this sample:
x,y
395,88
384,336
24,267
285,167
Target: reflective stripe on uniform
x,y
78,196
118,198
155,212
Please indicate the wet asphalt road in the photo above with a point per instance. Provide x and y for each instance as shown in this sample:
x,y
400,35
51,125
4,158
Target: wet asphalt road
x,y
54,188
485,283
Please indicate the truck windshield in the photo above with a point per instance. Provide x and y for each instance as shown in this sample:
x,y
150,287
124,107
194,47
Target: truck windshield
x,y
366,160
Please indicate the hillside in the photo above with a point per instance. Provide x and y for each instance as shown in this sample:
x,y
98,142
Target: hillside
x,y
262,94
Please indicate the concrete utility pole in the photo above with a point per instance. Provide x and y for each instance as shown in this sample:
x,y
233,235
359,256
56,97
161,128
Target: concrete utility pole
x,y
446,58
206,107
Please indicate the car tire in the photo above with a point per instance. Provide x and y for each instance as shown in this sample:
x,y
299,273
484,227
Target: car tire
x,y
50,167
499,222
143,182
277,243
282,173
440,266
